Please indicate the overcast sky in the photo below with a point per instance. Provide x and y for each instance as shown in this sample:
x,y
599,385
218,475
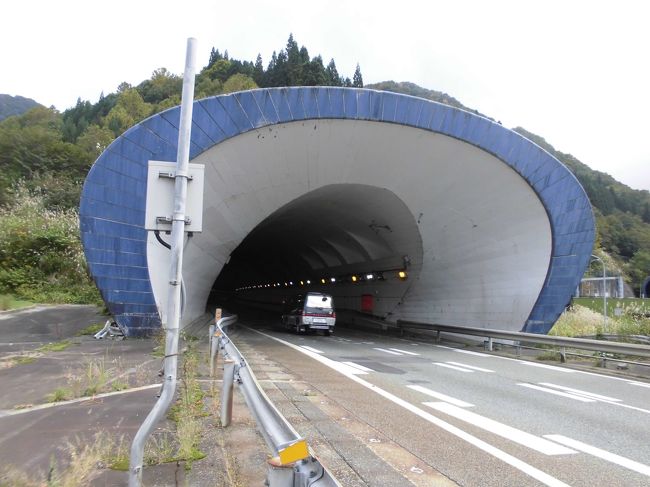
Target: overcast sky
x,y
575,72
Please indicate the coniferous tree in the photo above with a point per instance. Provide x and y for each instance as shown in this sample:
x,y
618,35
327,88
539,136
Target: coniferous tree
x,y
357,79
332,75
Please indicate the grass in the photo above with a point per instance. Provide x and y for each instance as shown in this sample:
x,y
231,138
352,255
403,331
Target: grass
x,y
55,346
9,302
59,394
584,321
626,304
90,330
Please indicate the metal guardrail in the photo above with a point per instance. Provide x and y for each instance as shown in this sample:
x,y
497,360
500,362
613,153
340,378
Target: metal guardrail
x,y
293,465
562,342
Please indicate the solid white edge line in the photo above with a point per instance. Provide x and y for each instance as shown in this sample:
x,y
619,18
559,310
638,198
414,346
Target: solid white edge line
x,y
640,384
556,393
358,366
515,462
508,432
315,350
602,454
473,367
403,351
441,396
452,367
387,351
579,392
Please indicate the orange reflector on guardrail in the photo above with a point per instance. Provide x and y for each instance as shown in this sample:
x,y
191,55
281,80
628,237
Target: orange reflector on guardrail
x,y
294,452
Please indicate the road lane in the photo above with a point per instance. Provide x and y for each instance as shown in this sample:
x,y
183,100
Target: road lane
x,y
610,417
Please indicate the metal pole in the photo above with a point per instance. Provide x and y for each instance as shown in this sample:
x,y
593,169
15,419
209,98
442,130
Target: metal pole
x,y
226,392
604,292
175,273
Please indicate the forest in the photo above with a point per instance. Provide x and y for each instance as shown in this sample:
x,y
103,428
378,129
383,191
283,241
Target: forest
x,y
45,155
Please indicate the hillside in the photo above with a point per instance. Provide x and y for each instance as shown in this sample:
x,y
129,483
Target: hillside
x,y
46,154
14,105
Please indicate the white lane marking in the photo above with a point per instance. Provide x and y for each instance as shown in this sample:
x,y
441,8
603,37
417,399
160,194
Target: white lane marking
x,y
341,339
557,393
480,369
358,366
387,351
440,364
448,348
403,351
602,454
580,393
544,366
508,432
441,396
469,352
640,384
515,462
311,349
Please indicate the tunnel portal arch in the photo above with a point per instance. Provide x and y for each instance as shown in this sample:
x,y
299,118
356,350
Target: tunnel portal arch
x,y
493,230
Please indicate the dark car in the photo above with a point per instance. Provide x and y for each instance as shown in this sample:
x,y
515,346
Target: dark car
x,y
310,311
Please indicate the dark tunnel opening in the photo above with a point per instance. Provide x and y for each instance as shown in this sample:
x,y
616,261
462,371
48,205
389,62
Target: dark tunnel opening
x,y
349,240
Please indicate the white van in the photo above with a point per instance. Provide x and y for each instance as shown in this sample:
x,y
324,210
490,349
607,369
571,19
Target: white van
x,y
310,311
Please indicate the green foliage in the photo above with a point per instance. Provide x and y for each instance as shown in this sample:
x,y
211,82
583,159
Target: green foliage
x,y
8,302
238,82
54,347
41,259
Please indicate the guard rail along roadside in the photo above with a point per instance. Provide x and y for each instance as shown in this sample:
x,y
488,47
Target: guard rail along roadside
x,y
293,464
563,343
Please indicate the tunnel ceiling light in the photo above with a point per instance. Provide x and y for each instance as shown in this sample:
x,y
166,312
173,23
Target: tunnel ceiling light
x,y
354,278
402,275
308,281
322,281
333,279
290,283
369,276
302,283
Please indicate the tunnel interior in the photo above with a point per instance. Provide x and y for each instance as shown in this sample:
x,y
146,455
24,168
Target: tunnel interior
x,y
350,240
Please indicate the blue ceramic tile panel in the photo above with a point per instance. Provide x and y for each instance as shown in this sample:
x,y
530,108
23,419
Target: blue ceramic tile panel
x,y
266,105
250,108
336,103
281,104
220,117
202,118
363,105
389,107
376,105
112,202
350,104
294,98
309,102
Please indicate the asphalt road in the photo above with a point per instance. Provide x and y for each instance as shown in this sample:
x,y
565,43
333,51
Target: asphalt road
x,y
479,419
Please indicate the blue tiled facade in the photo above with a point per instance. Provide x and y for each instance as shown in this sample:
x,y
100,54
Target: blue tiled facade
x,y
113,197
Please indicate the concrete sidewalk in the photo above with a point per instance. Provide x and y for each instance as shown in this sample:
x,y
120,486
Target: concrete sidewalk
x,y
34,432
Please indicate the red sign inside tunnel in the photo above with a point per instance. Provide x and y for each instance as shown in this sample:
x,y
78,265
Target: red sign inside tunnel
x,y
366,303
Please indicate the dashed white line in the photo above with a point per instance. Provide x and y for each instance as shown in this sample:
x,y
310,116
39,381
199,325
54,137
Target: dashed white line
x,y
602,454
387,351
473,367
544,366
441,396
508,432
640,384
557,393
403,351
460,369
358,366
469,352
581,393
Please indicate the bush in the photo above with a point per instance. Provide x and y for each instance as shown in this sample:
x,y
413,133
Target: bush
x,y
41,258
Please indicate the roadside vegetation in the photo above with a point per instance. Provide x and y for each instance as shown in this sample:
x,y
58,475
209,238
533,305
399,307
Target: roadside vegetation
x,y
587,320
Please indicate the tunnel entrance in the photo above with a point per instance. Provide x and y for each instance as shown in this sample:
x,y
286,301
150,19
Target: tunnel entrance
x,y
351,240
645,288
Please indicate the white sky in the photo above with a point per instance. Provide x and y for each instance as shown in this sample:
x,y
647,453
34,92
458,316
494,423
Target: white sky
x,y
575,72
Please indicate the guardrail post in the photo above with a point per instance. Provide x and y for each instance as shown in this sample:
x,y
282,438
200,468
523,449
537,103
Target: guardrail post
x,y
563,355
215,337
488,344
226,392
437,336
279,475
603,360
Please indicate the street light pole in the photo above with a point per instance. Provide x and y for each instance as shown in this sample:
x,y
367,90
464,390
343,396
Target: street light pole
x,y
604,292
